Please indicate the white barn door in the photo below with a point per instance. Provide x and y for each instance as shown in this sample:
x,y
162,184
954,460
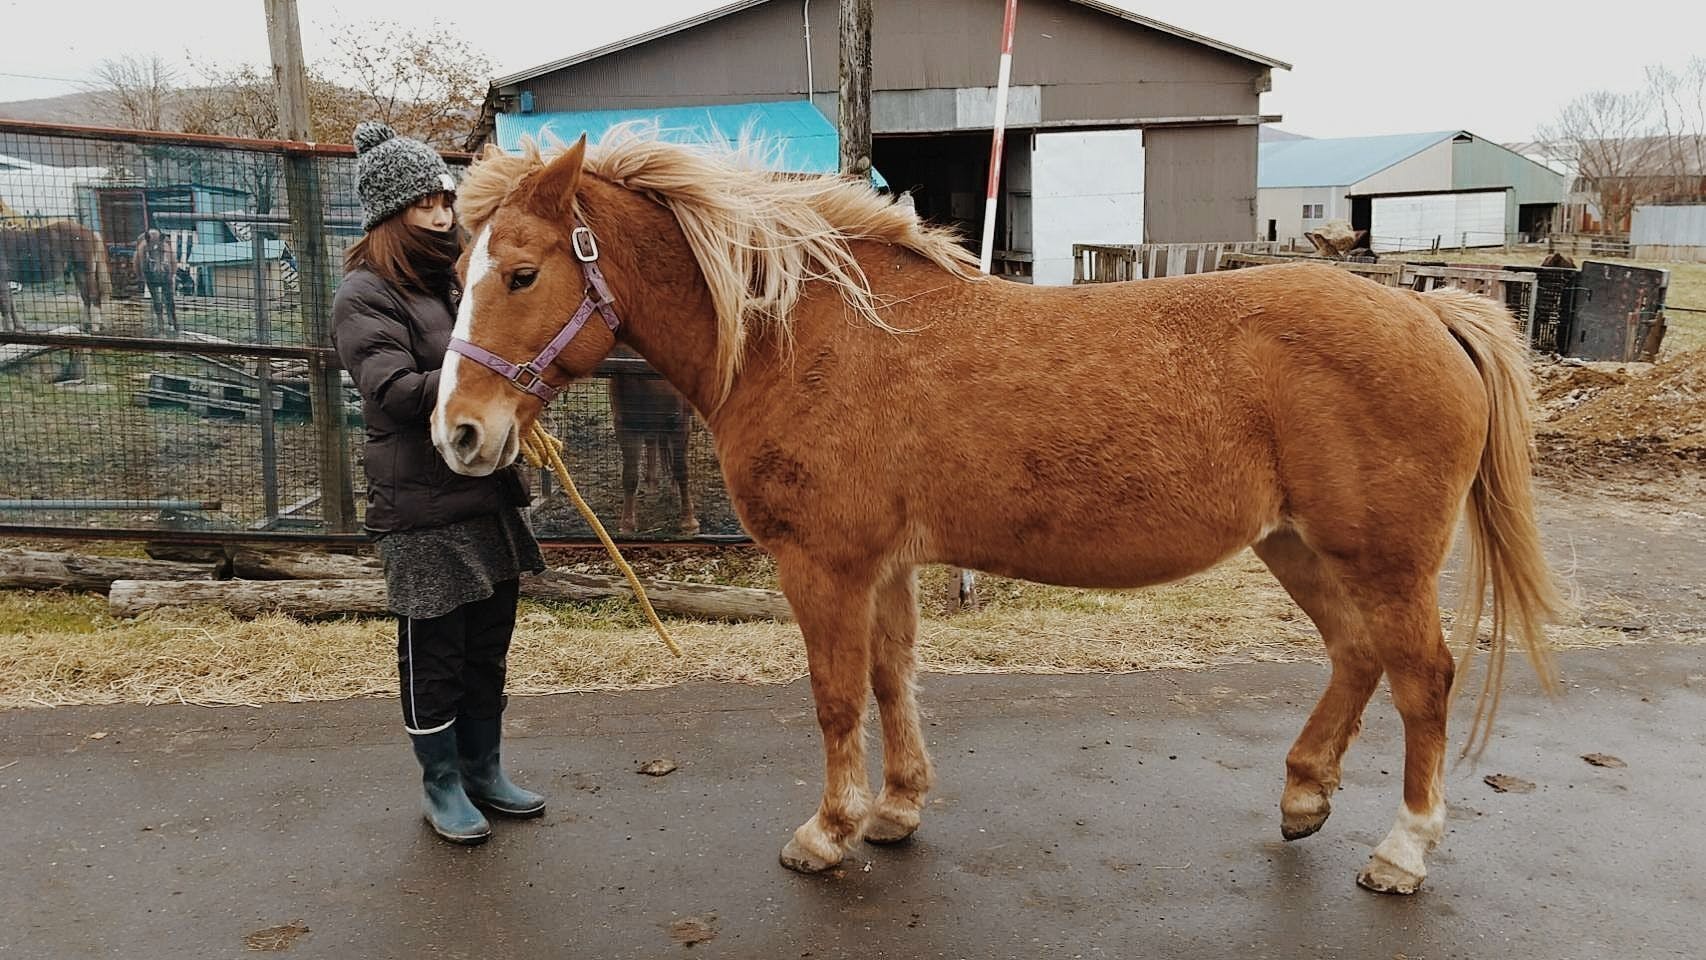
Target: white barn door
x,y
1086,187
1409,223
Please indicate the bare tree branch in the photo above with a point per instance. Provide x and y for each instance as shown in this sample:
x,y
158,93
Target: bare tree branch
x,y
428,84
1610,137
136,91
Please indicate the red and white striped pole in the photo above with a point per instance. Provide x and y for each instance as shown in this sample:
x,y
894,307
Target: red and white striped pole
x,y
965,587
1005,75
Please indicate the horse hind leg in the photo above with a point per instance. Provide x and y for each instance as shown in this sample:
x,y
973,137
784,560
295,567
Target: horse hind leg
x,y
649,475
89,291
1314,763
1407,638
677,450
907,774
631,443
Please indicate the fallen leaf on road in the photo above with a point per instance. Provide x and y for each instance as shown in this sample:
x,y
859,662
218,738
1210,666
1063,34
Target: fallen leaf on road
x,y
1603,760
661,767
100,735
1505,783
275,939
691,930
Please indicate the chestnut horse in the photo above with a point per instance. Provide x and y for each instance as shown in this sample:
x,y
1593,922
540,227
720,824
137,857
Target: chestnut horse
x,y
45,253
876,405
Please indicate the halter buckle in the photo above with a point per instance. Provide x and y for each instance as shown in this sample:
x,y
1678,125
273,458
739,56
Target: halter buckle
x,y
533,378
585,244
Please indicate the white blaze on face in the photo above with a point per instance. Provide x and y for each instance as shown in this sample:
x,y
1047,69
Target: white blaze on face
x,y
479,264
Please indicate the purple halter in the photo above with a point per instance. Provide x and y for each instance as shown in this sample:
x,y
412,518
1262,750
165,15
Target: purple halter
x,y
529,377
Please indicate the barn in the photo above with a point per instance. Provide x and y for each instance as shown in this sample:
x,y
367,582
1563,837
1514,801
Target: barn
x,y
1408,190
1121,128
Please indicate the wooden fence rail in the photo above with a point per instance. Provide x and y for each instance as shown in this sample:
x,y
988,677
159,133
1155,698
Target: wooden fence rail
x,y
1109,263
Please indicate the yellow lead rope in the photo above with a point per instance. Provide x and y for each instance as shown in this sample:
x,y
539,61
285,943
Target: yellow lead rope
x,y
544,450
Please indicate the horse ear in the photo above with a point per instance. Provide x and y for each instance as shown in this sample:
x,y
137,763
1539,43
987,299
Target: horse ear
x,y
554,187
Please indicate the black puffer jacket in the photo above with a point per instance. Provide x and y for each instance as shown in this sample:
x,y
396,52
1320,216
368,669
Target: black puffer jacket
x,y
393,341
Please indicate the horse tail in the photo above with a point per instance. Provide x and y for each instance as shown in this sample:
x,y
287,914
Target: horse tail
x,y
1504,541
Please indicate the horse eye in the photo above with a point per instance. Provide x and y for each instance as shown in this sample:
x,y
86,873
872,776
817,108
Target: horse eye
x,y
522,278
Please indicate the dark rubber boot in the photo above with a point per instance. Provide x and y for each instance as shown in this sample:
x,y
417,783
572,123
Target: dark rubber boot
x,y
444,803
482,772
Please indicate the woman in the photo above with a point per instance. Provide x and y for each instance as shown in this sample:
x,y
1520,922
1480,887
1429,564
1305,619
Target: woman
x,y
454,547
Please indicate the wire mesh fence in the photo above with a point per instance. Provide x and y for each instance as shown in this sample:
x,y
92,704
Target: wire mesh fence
x,y
165,361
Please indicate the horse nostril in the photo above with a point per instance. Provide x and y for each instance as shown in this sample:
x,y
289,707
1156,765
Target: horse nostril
x,y
466,441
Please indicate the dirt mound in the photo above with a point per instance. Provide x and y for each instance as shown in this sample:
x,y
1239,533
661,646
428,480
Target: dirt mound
x,y
1633,410
1565,384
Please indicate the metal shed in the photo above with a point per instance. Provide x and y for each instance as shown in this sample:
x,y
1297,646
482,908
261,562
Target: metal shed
x,y
1408,190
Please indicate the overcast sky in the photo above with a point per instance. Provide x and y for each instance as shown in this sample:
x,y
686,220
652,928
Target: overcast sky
x,y
1495,67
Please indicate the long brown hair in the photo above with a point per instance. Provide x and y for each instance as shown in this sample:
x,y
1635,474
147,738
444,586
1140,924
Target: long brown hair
x,y
407,256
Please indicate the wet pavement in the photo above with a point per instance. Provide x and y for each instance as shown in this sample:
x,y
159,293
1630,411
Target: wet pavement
x,y
1093,816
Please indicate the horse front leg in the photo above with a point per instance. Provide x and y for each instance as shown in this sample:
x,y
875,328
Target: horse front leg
x,y
907,775
835,616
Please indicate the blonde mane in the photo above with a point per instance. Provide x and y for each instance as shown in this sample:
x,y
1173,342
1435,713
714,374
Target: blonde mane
x,y
758,236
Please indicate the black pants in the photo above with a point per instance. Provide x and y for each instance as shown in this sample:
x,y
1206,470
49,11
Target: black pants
x,y
161,296
453,666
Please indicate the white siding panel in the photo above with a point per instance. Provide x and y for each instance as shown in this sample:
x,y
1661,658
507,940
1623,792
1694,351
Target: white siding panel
x,y
1406,223
1669,225
1086,187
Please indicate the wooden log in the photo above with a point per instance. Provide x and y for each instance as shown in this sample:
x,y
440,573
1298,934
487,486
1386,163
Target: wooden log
x,y
703,601
44,570
249,563
305,599
309,599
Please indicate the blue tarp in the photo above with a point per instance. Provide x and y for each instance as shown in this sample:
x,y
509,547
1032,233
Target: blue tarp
x,y
793,134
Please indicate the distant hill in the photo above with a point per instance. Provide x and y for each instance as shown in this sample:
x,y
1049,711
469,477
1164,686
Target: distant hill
x,y
79,108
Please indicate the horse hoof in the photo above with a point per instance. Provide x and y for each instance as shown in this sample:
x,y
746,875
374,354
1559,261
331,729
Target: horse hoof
x,y
1297,830
690,528
1296,826
883,829
1383,876
1302,812
800,860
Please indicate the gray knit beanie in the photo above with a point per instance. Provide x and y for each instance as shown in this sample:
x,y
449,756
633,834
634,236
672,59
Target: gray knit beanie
x,y
393,172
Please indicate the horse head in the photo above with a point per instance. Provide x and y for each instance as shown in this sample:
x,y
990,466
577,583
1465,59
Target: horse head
x,y
535,314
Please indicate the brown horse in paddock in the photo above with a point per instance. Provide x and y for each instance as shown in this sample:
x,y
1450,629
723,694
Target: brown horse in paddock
x,y
876,406
45,253
654,423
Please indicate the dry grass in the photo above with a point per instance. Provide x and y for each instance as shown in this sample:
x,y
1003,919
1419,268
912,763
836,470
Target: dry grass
x,y
64,650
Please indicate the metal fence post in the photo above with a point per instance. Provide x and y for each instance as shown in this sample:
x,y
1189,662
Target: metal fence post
x,y
263,369
325,384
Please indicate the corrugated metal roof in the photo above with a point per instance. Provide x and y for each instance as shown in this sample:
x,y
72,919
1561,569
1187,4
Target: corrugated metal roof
x,y
1339,161
796,137
739,5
